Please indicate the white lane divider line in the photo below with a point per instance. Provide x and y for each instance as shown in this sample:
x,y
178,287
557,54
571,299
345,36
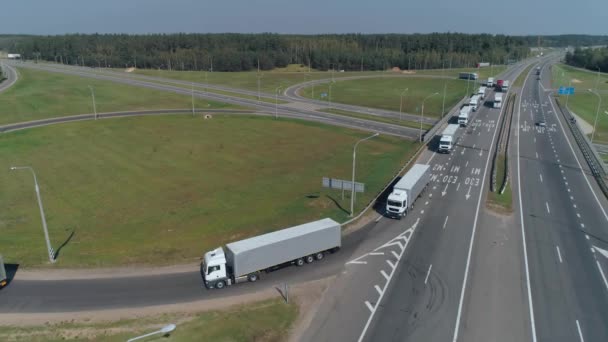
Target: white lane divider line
x,y
559,255
541,177
379,218
445,222
583,226
536,155
586,236
580,333
390,264
376,253
578,215
547,204
467,164
384,274
369,306
458,186
428,273
378,289
602,273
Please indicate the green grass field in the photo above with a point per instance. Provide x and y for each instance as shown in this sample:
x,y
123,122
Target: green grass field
x,y
519,81
164,189
263,321
384,93
483,73
39,95
584,103
404,123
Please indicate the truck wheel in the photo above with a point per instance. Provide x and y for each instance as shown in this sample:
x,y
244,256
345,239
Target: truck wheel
x,y
319,255
309,259
220,285
253,277
299,262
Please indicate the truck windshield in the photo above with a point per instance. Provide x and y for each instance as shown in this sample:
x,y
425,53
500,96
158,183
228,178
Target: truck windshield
x,y
395,203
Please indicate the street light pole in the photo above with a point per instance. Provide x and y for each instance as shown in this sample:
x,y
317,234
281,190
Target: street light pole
x,y
401,103
276,102
330,84
94,106
192,91
166,330
422,112
46,232
568,95
599,104
352,195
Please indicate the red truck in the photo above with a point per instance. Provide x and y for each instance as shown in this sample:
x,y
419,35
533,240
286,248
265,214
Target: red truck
x,y
499,85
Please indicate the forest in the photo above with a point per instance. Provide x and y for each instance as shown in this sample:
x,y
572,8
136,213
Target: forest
x,y
241,52
591,59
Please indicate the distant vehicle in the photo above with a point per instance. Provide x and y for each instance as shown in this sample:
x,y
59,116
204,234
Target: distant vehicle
x,y
482,91
468,75
407,190
447,138
541,123
499,84
490,82
474,102
538,70
483,64
3,277
497,100
505,86
245,260
463,116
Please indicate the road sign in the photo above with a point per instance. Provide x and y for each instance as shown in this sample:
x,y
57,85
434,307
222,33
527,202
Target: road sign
x,y
566,91
340,184
323,94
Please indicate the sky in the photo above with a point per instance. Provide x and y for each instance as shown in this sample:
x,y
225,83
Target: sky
x,y
515,17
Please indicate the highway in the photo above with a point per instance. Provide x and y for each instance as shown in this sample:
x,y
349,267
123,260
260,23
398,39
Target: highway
x,y
11,76
563,217
415,283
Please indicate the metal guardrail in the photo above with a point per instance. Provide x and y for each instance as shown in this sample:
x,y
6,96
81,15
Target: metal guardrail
x,y
510,112
593,160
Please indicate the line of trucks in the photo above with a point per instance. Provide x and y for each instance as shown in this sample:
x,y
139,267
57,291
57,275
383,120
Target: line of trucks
x,y
247,260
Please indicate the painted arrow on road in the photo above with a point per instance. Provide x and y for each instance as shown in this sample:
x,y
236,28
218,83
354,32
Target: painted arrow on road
x,y
602,251
468,192
445,191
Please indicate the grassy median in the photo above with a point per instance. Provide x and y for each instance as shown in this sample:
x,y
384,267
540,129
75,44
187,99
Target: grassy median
x,y
164,189
41,94
263,321
501,203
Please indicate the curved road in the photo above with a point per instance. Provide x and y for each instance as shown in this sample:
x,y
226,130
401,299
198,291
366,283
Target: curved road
x,y
11,76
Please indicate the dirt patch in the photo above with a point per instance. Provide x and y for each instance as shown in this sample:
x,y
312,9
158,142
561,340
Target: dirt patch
x,y
308,299
130,69
574,80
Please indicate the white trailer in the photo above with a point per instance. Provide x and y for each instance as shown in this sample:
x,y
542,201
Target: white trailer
x,y
245,260
497,100
482,92
474,102
407,190
505,86
446,142
490,82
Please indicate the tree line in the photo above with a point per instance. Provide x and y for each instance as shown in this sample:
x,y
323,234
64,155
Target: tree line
x,y
240,52
591,59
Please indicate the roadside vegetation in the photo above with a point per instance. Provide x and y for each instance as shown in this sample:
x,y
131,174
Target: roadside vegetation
x,y
40,95
263,321
519,81
405,123
501,203
385,93
162,189
483,73
584,103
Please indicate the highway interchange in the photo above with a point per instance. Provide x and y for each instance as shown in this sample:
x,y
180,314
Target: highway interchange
x,y
450,270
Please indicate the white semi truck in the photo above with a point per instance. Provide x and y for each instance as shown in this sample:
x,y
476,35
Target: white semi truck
x,y
474,102
247,259
490,82
446,142
463,116
482,92
498,100
407,190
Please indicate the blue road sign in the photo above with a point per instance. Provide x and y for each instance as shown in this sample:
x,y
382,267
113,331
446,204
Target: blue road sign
x,y
323,94
566,91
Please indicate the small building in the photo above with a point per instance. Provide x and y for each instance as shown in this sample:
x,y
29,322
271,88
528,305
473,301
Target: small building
x,y
14,56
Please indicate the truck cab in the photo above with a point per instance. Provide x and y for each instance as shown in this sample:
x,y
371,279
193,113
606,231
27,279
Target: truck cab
x,y
396,204
213,269
445,144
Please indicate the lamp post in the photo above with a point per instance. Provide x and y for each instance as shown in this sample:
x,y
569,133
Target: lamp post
x,y
352,195
422,112
46,232
276,102
568,95
330,84
192,92
599,103
401,103
166,330
93,97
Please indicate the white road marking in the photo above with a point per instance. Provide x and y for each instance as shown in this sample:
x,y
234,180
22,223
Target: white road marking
x,y
572,198
586,236
574,205
427,274
578,215
463,149
559,255
426,203
376,253
602,273
395,254
547,204
384,274
379,218
390,263
467,164
583,226
369,306
431,158
541,178
534,139
580,333
566,183
536,157
445,222
458,187
378,289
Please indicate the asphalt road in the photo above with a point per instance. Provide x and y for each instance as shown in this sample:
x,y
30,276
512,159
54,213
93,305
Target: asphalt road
x,y
563,217
286,109
412,283
11,77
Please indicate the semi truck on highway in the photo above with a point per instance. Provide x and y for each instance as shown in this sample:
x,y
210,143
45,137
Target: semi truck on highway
x,y
474,102
490,82
497,100
482,92
502,85
3,280
247,259
447,138
407,190
463,116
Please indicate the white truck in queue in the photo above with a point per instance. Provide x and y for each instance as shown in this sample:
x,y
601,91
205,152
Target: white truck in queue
x,y
490,82
482,92
245,260
463,116
497,100
446,142
407,190
474,102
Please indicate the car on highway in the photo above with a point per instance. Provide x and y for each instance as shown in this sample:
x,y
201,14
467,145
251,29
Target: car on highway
x,y
541,123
